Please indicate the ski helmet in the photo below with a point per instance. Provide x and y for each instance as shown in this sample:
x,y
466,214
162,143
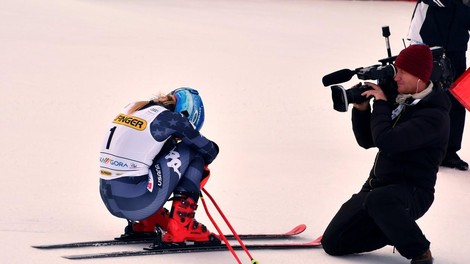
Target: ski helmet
x,y
189,104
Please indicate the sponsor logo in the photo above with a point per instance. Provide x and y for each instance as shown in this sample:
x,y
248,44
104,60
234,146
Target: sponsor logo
x,y
155,110
114,162
131,121
174,161
150,183
105,173
159,176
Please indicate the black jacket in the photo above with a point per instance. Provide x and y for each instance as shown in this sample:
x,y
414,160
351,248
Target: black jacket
x,y
411,146
445,23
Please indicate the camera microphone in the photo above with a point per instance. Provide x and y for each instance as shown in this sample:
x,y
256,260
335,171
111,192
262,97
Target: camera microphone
x,y
340,76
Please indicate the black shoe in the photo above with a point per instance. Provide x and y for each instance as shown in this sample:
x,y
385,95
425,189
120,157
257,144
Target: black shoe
x,y
454,162
425,258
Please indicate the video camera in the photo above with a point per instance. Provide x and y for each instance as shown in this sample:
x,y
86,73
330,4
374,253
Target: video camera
x,y
442,76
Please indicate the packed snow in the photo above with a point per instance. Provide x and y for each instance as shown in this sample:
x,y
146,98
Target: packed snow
x,y
68,66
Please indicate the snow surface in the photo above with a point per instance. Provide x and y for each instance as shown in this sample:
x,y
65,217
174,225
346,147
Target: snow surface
x,y
68,66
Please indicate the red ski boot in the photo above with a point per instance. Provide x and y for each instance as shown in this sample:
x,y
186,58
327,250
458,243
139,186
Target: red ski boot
x,y
146,228
182,226
148,225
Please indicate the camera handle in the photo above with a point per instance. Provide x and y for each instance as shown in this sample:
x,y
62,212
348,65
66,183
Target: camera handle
x,y
386,34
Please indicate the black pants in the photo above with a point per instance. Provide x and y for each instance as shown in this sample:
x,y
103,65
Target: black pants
x,y
457,111
373,219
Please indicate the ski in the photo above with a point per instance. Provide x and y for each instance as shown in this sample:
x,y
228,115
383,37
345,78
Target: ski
x,y
128,241
193,248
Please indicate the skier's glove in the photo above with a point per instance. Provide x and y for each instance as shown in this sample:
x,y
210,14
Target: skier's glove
x,y
206,174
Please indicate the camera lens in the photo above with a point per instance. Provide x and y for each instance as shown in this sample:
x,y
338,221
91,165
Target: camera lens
x,y
342,97
354,94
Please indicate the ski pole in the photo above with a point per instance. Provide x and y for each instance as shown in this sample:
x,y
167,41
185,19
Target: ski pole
x,y
221,234
253,261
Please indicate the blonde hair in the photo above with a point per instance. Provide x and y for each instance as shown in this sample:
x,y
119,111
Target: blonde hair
x,y
166,100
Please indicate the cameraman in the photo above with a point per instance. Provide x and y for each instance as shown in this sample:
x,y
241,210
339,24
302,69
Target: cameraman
x,y
411,141
446,23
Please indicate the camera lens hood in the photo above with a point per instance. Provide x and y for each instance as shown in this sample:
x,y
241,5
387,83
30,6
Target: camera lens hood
x,y
340,98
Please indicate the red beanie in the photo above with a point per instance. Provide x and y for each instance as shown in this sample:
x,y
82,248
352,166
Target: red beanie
x,y
416,60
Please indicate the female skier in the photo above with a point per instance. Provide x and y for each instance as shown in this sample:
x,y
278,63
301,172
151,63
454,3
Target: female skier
x,y
154,149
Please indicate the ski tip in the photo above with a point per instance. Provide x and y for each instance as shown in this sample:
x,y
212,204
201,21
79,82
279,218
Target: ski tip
x,y
297,230
318,240
42,246
313,243
75,257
